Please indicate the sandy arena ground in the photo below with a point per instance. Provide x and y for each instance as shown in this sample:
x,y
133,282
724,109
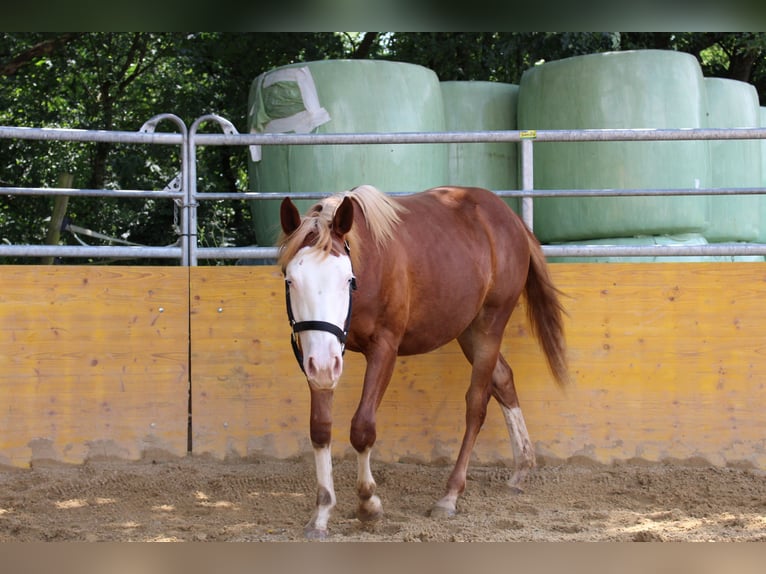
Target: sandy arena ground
x,y
200,499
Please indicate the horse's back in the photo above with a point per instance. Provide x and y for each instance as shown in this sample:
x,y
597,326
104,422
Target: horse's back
x,y
464,206
465,220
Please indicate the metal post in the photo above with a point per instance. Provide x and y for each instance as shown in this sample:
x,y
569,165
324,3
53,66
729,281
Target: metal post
x,y
149,127
527,181
228,128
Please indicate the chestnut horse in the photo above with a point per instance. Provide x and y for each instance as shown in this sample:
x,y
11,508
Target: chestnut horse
x,y
419,271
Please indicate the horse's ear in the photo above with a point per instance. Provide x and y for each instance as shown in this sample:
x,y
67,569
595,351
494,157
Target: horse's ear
x,y
343,217
289,216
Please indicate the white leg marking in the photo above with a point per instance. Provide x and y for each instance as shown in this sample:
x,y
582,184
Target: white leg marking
x,y
370,506
446,506
523,451
317,526
364,472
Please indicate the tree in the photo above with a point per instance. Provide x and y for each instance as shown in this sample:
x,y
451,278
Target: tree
x,y
504,56
82,81
738,56
118,81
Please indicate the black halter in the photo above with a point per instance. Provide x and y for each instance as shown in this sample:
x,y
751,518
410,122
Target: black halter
x,y
299,326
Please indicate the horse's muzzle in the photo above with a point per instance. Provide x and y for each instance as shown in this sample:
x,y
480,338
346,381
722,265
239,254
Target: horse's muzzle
x,y
324,374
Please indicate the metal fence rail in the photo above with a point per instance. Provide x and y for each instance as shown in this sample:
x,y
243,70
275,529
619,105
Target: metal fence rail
x,y
188,252
146,135
484,136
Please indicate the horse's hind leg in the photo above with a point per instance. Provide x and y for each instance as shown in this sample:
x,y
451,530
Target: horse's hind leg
x,y
504,392
483,357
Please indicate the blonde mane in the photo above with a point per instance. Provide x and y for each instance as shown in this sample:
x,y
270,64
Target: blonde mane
x,y
380,211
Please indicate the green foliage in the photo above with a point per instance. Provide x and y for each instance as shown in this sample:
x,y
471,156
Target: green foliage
x,y
491,56
117,81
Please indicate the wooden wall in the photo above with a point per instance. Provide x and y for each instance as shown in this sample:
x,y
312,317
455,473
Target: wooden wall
x,y
668,361
93,362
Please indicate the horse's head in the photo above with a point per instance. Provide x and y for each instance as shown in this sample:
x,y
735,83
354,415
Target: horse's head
x,y
318,285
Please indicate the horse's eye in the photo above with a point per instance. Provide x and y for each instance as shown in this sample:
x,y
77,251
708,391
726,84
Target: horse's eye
x,y
288,282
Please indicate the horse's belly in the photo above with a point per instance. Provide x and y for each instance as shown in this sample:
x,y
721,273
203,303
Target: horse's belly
x,y
426,338
419,347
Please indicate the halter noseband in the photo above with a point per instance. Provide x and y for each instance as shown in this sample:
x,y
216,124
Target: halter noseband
x,y
299,326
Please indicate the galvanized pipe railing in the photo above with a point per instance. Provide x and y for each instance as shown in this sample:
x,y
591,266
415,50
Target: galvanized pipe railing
x,y
527,194
145,135
484,136
188,198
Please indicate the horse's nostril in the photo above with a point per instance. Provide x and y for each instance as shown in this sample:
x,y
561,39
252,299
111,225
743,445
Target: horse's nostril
x,y
337,367
311,368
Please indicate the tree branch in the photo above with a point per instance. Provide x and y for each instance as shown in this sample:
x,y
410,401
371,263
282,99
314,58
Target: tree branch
x,y
44,48
363,49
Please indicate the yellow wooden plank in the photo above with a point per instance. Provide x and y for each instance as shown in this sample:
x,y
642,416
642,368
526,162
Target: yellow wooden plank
x,y
93,362
669,360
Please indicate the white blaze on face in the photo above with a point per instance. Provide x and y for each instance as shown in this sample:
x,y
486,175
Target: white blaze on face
x,y
319,291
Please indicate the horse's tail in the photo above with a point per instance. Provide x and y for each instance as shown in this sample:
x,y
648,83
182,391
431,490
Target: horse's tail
x,y
545,311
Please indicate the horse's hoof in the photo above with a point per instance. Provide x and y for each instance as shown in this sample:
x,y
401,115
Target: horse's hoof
x,y
367,516
370,510
515,482
440,512
313,533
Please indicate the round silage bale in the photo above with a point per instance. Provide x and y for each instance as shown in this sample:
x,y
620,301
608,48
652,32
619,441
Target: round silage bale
x,y
482,106
762,198
343,96
633,89
734,163
763,148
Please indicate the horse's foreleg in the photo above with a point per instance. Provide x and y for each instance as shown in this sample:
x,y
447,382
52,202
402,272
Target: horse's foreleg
x,y
380,367
321,433
370,507
317,526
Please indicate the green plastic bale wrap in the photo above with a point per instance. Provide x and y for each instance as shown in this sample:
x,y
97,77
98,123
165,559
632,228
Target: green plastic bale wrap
x,y
617,90
762,210
734,163
482,106
763,148
671,240
342,96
